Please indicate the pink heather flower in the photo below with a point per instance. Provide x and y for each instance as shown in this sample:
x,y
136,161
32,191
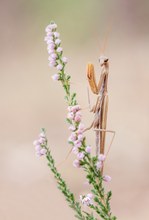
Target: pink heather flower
x,y
48,28
73,135
72,128
80,155
80,137
50,51
53,26
55,77
64,59
90,195
43,151
72,138
42,135
75,108
37,147
76,163
70,115
78,113
101,157
49,41
50,34
56,34
51,46
51,59
53,55
75,150
78,144
107,178
79,131
52,63
40,151
57,41
41,140
87,200
81,127
77,118
59,49
59,67
48,38
88,149
99,165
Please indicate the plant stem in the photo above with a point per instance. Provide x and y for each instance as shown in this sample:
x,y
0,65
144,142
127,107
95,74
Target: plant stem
x,y
63,187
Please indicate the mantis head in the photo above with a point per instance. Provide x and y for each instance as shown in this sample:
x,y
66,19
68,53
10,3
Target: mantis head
x,y
103,60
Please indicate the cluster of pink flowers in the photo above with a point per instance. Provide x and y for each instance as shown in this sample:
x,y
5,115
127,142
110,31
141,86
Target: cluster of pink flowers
x,y
76,138
99,165
101,159
87,200
55,50
40,145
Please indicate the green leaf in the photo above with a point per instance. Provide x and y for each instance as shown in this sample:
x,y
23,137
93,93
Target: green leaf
x,y
109,195
68,120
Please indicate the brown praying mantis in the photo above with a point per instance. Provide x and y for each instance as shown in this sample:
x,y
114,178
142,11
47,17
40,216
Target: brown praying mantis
x,y
100,109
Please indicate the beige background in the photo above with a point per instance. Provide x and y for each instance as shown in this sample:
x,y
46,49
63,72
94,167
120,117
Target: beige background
x,y
29,100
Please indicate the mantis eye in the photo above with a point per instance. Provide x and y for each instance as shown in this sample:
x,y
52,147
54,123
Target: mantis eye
x,y
103,59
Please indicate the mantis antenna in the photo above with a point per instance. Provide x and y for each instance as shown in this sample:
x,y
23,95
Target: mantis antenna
x,y
106,38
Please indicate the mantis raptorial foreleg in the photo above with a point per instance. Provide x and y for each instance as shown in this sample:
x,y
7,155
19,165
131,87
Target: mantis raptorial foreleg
x,y
91,78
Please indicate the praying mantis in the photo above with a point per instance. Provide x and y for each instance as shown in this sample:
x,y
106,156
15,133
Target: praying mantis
x,y
100,109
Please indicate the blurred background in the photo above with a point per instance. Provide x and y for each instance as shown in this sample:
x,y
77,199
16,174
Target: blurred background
x,y
30,100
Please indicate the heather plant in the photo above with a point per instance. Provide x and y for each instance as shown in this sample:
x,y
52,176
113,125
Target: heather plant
x,y
98,200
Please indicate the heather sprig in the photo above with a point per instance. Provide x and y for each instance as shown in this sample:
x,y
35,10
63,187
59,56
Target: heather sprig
x,y
56,58
70,198
97,200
